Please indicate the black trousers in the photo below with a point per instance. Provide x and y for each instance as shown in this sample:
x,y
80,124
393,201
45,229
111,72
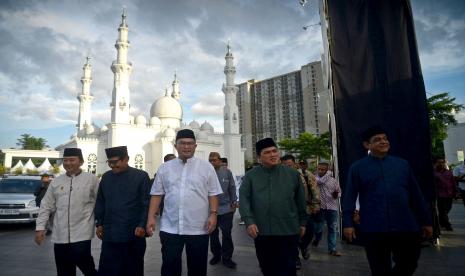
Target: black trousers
x,y
444,207
277,254
224,249
70,255
172,246
462,193
122,258
401,248
309,230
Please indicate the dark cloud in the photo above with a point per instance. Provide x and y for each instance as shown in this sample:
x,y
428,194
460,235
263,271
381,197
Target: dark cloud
x,y
44,45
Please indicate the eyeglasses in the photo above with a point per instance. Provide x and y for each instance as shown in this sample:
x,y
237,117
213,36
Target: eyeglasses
x,y
112,162
188,144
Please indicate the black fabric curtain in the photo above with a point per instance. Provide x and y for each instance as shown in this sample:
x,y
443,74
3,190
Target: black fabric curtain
x,y
377,79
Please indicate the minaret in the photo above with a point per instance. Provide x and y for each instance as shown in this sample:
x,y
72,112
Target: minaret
x,y
176,93
122,70
85,99
231,113
232,139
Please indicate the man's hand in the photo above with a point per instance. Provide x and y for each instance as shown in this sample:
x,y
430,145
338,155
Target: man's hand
x,y
40,236
211,223
252,230
139,232
427,232
356,217
99,232
302,231
349,233
150,228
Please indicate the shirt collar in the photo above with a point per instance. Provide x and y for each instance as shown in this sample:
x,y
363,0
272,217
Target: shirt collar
x,y
67,174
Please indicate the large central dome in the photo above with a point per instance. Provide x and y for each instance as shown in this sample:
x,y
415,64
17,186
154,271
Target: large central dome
x,y
166,107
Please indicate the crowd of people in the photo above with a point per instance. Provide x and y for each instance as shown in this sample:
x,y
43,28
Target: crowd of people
x,y
283,205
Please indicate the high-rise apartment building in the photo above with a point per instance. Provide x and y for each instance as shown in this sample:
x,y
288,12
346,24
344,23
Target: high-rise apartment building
x,y
283,106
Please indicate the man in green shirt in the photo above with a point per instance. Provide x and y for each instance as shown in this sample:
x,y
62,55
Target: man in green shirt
x,y
273,208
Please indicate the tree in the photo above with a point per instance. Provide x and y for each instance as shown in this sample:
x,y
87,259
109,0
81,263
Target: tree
x,y
29,142
441,109
308,146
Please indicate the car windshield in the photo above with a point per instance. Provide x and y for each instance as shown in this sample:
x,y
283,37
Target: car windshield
x,y
19,186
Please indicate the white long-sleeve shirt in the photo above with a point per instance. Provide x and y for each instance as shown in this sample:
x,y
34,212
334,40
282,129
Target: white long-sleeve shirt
x,y
71,201
186,187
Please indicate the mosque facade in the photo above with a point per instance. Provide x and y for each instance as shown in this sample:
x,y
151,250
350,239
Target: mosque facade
x,y
149,139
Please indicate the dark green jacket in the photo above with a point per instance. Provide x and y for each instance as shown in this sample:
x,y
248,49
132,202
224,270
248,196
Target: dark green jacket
x,y
273,199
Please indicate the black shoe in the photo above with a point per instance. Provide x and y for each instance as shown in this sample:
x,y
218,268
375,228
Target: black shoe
x,y
305,253
315,243
229,263
298,264
215,260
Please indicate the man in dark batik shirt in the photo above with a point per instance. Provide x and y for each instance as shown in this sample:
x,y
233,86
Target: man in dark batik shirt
x,y
121,214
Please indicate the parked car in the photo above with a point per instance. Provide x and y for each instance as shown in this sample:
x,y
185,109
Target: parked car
x,y
17,200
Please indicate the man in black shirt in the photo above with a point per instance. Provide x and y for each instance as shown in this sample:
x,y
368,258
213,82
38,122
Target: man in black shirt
x,y
121,215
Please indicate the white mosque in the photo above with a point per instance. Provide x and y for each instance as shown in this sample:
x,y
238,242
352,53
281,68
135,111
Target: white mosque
x,y
149,140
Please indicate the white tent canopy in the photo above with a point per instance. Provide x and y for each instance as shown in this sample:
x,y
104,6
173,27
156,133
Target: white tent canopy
x,y
29,166
18,165
45,166
62,169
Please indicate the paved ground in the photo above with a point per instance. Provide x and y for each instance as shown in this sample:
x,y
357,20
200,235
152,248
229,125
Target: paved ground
x,y
20,256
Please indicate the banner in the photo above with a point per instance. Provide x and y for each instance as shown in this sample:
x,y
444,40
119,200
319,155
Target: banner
x,y
377,79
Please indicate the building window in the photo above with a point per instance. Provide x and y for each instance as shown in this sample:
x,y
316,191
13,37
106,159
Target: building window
x,y
139,162
92,163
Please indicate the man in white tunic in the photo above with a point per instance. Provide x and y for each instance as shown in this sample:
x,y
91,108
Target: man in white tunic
x,y
190,187
70,198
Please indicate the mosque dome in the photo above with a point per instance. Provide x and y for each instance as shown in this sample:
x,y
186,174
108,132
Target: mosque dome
x,y
206,126
166,107
155,121
194,125
90,129
141,121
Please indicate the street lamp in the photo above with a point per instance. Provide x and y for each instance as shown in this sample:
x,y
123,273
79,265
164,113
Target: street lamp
x,y
311,25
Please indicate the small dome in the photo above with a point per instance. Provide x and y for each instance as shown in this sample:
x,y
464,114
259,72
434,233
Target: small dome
x,y
169,132
155,121
90,129
194,125
140,120
166,107
104,128
206,126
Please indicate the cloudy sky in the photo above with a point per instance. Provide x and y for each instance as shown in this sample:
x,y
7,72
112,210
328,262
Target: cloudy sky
x,y
44,45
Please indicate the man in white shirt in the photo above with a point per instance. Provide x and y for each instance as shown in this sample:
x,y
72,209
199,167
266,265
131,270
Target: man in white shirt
x,y
459,175
190,187
70,198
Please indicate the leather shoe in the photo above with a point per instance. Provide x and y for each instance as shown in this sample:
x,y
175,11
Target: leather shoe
x,y
305,253
229,263
298,264
315,243
215,260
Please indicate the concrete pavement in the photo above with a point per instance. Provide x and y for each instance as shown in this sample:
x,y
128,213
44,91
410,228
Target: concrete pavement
x,y
20,256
